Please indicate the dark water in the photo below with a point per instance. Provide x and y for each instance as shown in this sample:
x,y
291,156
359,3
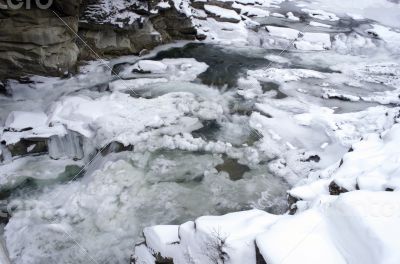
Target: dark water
x,y
224,67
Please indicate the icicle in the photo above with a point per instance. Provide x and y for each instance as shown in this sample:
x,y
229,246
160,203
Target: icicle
x,y
70,146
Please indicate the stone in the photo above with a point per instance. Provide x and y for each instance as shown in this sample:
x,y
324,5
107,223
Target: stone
x,y
335,189
28,147
36,42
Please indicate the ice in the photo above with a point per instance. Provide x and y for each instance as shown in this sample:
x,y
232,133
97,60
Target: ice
x,y
70,145
119,117
317,24
19,120
223,13
283,75
311,111
385,12
117,12
145,66
286,37
390,36
282,32
334,228
278,15
291,16
224,32
168,69
39,169
372,163
251,11
209,239
313,41
329,231
94,209
320,14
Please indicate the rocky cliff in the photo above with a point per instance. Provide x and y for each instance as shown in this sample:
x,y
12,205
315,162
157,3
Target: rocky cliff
x,y
50,42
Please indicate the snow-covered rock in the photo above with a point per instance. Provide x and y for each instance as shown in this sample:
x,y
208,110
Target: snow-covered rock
x,y
222,14
329,231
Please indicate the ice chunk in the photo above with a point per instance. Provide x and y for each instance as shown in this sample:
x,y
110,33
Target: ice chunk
x,y
18,120
317,24
320,14
222,13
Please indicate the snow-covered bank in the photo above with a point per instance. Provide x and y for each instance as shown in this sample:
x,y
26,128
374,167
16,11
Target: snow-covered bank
x,y
331,230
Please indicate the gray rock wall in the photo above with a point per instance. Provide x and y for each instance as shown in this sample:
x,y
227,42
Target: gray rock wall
x,y
38,41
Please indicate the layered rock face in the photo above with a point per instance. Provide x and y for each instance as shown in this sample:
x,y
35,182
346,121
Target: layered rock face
x,y
36,41
45,41
126,27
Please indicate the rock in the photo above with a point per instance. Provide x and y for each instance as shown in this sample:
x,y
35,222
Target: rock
x,y
39,41
335,189
36,42
3,89
314,158
259,258
120,29
174,25
291,200
68,7
28,147
222,14
233,168
161,260
111,42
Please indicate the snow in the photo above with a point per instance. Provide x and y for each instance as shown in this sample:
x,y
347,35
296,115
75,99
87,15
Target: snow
x,y
300,40
164,5
19,120
251,11
320,14
223,33
325,112
283,32
277,15
183,6
330,231
283,75
94,209
116,12
317,24
233,234
385,12
150,66
278,59
313,41
33,168
183,69
222,12
372,163
390,36
291,16
119,117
